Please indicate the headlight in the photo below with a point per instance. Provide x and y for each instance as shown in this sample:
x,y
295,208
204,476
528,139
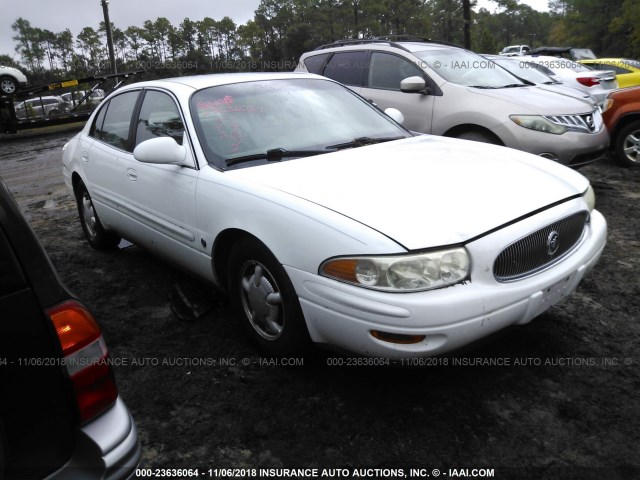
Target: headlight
x,y
401,273
590,198
539,123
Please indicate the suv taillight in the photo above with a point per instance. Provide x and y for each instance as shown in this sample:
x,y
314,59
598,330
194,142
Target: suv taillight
x,y
589,81
86,358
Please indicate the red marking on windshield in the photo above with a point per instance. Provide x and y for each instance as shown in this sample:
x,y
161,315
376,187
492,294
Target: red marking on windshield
x,y
224,105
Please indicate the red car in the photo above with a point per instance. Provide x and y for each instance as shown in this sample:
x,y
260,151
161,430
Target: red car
x,y
622,119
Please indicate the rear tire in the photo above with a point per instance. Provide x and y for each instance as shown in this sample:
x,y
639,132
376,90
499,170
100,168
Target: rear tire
x,y
95,233
265,300
627,145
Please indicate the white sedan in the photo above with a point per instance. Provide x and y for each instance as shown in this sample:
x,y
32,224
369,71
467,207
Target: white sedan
x,y
597,83
325,220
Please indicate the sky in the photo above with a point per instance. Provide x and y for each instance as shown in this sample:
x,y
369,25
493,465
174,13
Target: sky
x,y
57,16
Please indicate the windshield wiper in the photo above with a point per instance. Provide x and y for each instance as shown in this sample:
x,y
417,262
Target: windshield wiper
x,y
362,141
551,82
513,85
273,155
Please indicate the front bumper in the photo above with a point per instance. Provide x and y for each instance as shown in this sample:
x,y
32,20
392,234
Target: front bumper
x,y
343,315
571,148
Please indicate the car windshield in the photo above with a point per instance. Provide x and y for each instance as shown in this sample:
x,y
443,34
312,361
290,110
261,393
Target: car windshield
x,y
251,123
524,70
467,69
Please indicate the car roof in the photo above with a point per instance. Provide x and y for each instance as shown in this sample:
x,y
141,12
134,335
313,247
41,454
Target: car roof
x,y
412,45
198,82
418,47
545,58
45,97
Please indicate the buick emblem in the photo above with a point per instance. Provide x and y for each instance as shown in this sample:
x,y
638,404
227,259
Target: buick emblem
x,y
553,242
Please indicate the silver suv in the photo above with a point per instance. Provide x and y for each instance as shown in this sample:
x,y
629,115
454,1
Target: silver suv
x,y
445,90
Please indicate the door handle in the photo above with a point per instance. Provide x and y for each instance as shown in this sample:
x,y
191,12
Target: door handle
x,y
132,174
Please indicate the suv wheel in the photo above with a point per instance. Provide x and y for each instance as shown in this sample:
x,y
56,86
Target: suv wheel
x,y
628,145
8,85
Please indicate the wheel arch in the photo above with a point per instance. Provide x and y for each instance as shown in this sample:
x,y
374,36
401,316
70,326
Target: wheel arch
x,y
624,120
472,127
75,181
221,250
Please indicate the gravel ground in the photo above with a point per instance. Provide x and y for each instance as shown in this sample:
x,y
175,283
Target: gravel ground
x,y
565,405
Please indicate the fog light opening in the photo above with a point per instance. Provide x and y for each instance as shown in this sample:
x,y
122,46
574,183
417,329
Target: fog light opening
x,y
397,338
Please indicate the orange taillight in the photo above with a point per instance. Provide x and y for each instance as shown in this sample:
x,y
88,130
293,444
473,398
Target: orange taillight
x,y
86,358
74,325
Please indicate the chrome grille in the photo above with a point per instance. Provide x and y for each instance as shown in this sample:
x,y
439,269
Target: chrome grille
x,y
586,122
540,249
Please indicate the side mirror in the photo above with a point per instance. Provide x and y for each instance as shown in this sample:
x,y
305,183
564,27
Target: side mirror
x,y
413,85
395,114
163,150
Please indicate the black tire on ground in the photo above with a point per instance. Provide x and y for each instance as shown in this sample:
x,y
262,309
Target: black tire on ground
x,y
8,85
478,136
95,233
265,300
627,145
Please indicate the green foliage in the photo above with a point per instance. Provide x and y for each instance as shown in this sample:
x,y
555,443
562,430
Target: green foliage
x,y
626,27
282,30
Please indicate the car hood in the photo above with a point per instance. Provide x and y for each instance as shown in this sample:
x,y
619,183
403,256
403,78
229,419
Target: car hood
x,y
424,191
536,100
570,92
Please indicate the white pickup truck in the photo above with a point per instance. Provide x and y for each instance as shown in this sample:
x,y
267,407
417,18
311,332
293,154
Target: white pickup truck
x,y
514,50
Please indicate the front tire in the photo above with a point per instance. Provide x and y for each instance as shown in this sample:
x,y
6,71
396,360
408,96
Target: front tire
x,y
265,300
627,145
95,233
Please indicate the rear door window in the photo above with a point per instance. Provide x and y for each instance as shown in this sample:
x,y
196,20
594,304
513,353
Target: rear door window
x,y
347,68
117,120
314,64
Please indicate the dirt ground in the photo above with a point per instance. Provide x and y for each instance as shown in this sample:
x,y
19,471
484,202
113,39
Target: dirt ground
x,y
566,405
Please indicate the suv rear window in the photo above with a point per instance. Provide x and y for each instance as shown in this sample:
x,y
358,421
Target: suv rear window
x,y
347,67
314,64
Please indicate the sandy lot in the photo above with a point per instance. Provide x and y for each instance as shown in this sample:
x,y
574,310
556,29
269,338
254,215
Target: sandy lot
x,y
563,405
